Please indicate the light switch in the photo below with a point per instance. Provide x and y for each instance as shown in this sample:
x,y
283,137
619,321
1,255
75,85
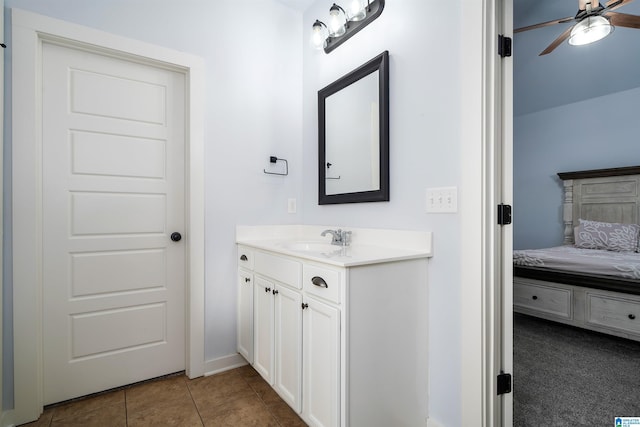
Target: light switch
x,y
442,200
291,206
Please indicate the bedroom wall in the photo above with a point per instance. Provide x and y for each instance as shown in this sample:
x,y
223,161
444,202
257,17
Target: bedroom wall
x,y
425,151
253,110
598,133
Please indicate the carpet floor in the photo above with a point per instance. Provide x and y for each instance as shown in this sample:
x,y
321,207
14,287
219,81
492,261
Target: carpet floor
x,y
566,376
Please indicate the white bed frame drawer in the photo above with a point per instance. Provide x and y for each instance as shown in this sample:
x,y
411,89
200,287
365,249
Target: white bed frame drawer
x,y
553,301
612,312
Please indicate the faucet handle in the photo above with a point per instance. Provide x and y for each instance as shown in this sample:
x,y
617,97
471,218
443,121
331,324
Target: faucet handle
x,y
346,237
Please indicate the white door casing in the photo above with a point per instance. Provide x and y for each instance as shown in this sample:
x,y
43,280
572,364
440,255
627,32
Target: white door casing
x,y
29,32
113,192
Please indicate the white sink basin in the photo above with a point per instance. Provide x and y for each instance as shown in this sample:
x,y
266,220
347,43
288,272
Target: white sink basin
x,y
310,246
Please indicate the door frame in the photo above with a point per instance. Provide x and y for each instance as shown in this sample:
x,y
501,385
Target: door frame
x,y
29,31
486,177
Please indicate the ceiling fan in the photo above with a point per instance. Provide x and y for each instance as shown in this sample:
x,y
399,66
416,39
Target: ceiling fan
x,y
592,22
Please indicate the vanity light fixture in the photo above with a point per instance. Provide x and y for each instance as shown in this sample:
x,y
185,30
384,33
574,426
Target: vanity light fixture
x,y
343,25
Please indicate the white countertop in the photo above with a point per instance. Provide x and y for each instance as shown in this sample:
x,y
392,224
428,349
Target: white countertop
x,y
369,246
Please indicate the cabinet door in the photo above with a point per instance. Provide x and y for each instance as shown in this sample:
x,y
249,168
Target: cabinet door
x,y
245,315
288,346
321,364
263,328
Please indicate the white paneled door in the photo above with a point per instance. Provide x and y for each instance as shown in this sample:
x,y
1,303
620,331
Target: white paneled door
x,y
113,134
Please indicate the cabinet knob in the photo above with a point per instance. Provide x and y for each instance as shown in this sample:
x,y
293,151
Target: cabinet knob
x,y
632,316
275,292
534,297
304,306
267,289
243,257
247,280
319,281
176,237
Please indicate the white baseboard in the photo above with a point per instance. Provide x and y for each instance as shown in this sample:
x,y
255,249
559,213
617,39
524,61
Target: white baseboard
x,y
6,419
433,423
225,363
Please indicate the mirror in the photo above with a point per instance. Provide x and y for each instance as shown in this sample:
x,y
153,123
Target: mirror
x,y
353,136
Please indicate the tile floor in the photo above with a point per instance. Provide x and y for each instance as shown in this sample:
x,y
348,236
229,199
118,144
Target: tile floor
x,y
235,398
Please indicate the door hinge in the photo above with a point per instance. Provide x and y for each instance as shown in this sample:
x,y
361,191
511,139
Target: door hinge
x,y
504,383
504,214
504,45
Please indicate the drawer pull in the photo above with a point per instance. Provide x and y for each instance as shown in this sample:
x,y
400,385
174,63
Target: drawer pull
x,y
247,280
319,281
243,257
535,297
632,316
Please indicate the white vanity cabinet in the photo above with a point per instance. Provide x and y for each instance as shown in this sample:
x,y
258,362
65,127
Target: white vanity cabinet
x,y
343,341
277,324
321,363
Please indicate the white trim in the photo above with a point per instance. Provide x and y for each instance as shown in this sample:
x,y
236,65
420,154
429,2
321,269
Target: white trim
x,y
28,31
224,363
477,209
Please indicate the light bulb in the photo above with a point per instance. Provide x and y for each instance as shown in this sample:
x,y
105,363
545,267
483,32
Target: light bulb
x,y
357,10
337,21
318,36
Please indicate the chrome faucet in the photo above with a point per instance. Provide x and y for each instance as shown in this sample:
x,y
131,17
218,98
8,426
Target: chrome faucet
x,y
338,237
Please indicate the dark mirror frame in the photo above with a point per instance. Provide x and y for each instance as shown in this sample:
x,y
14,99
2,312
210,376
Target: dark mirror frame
x,y
380,64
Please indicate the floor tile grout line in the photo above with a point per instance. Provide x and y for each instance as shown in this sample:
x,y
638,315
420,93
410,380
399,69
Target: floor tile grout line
x,y
246,379
194,402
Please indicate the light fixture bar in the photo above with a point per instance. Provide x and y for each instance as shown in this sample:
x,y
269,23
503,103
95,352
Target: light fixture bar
x,y
374,9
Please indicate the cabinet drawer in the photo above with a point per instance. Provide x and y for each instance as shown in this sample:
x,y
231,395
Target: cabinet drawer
x,y
322,282
544,299
283,270
618,313
245,257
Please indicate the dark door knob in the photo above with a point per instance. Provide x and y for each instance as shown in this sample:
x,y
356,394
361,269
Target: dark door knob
x,y
176,237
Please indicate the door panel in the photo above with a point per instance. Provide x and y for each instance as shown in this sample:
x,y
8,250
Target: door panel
x,y
113,192
288,346
263,328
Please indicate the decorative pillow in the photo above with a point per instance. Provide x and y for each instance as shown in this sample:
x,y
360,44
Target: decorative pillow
x,y
607,235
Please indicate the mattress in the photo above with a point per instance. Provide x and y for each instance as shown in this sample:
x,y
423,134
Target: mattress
x,y
587,261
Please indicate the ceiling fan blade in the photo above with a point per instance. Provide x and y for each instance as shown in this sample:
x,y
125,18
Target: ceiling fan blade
x,y
557,42
623,20
614,4
544,24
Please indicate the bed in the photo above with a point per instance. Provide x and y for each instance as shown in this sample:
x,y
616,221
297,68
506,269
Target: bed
x,y
583,283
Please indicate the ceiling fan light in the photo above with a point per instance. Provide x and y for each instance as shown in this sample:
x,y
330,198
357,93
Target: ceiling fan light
x,y
589,30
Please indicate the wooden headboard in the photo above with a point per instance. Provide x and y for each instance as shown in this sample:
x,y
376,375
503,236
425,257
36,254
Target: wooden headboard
x,y
608,195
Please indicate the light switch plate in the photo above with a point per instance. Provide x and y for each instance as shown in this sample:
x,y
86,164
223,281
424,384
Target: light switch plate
x,y
291,206
442,200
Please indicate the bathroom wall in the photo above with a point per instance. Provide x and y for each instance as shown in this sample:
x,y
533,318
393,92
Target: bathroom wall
x,y
253,56
593,134
425,150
